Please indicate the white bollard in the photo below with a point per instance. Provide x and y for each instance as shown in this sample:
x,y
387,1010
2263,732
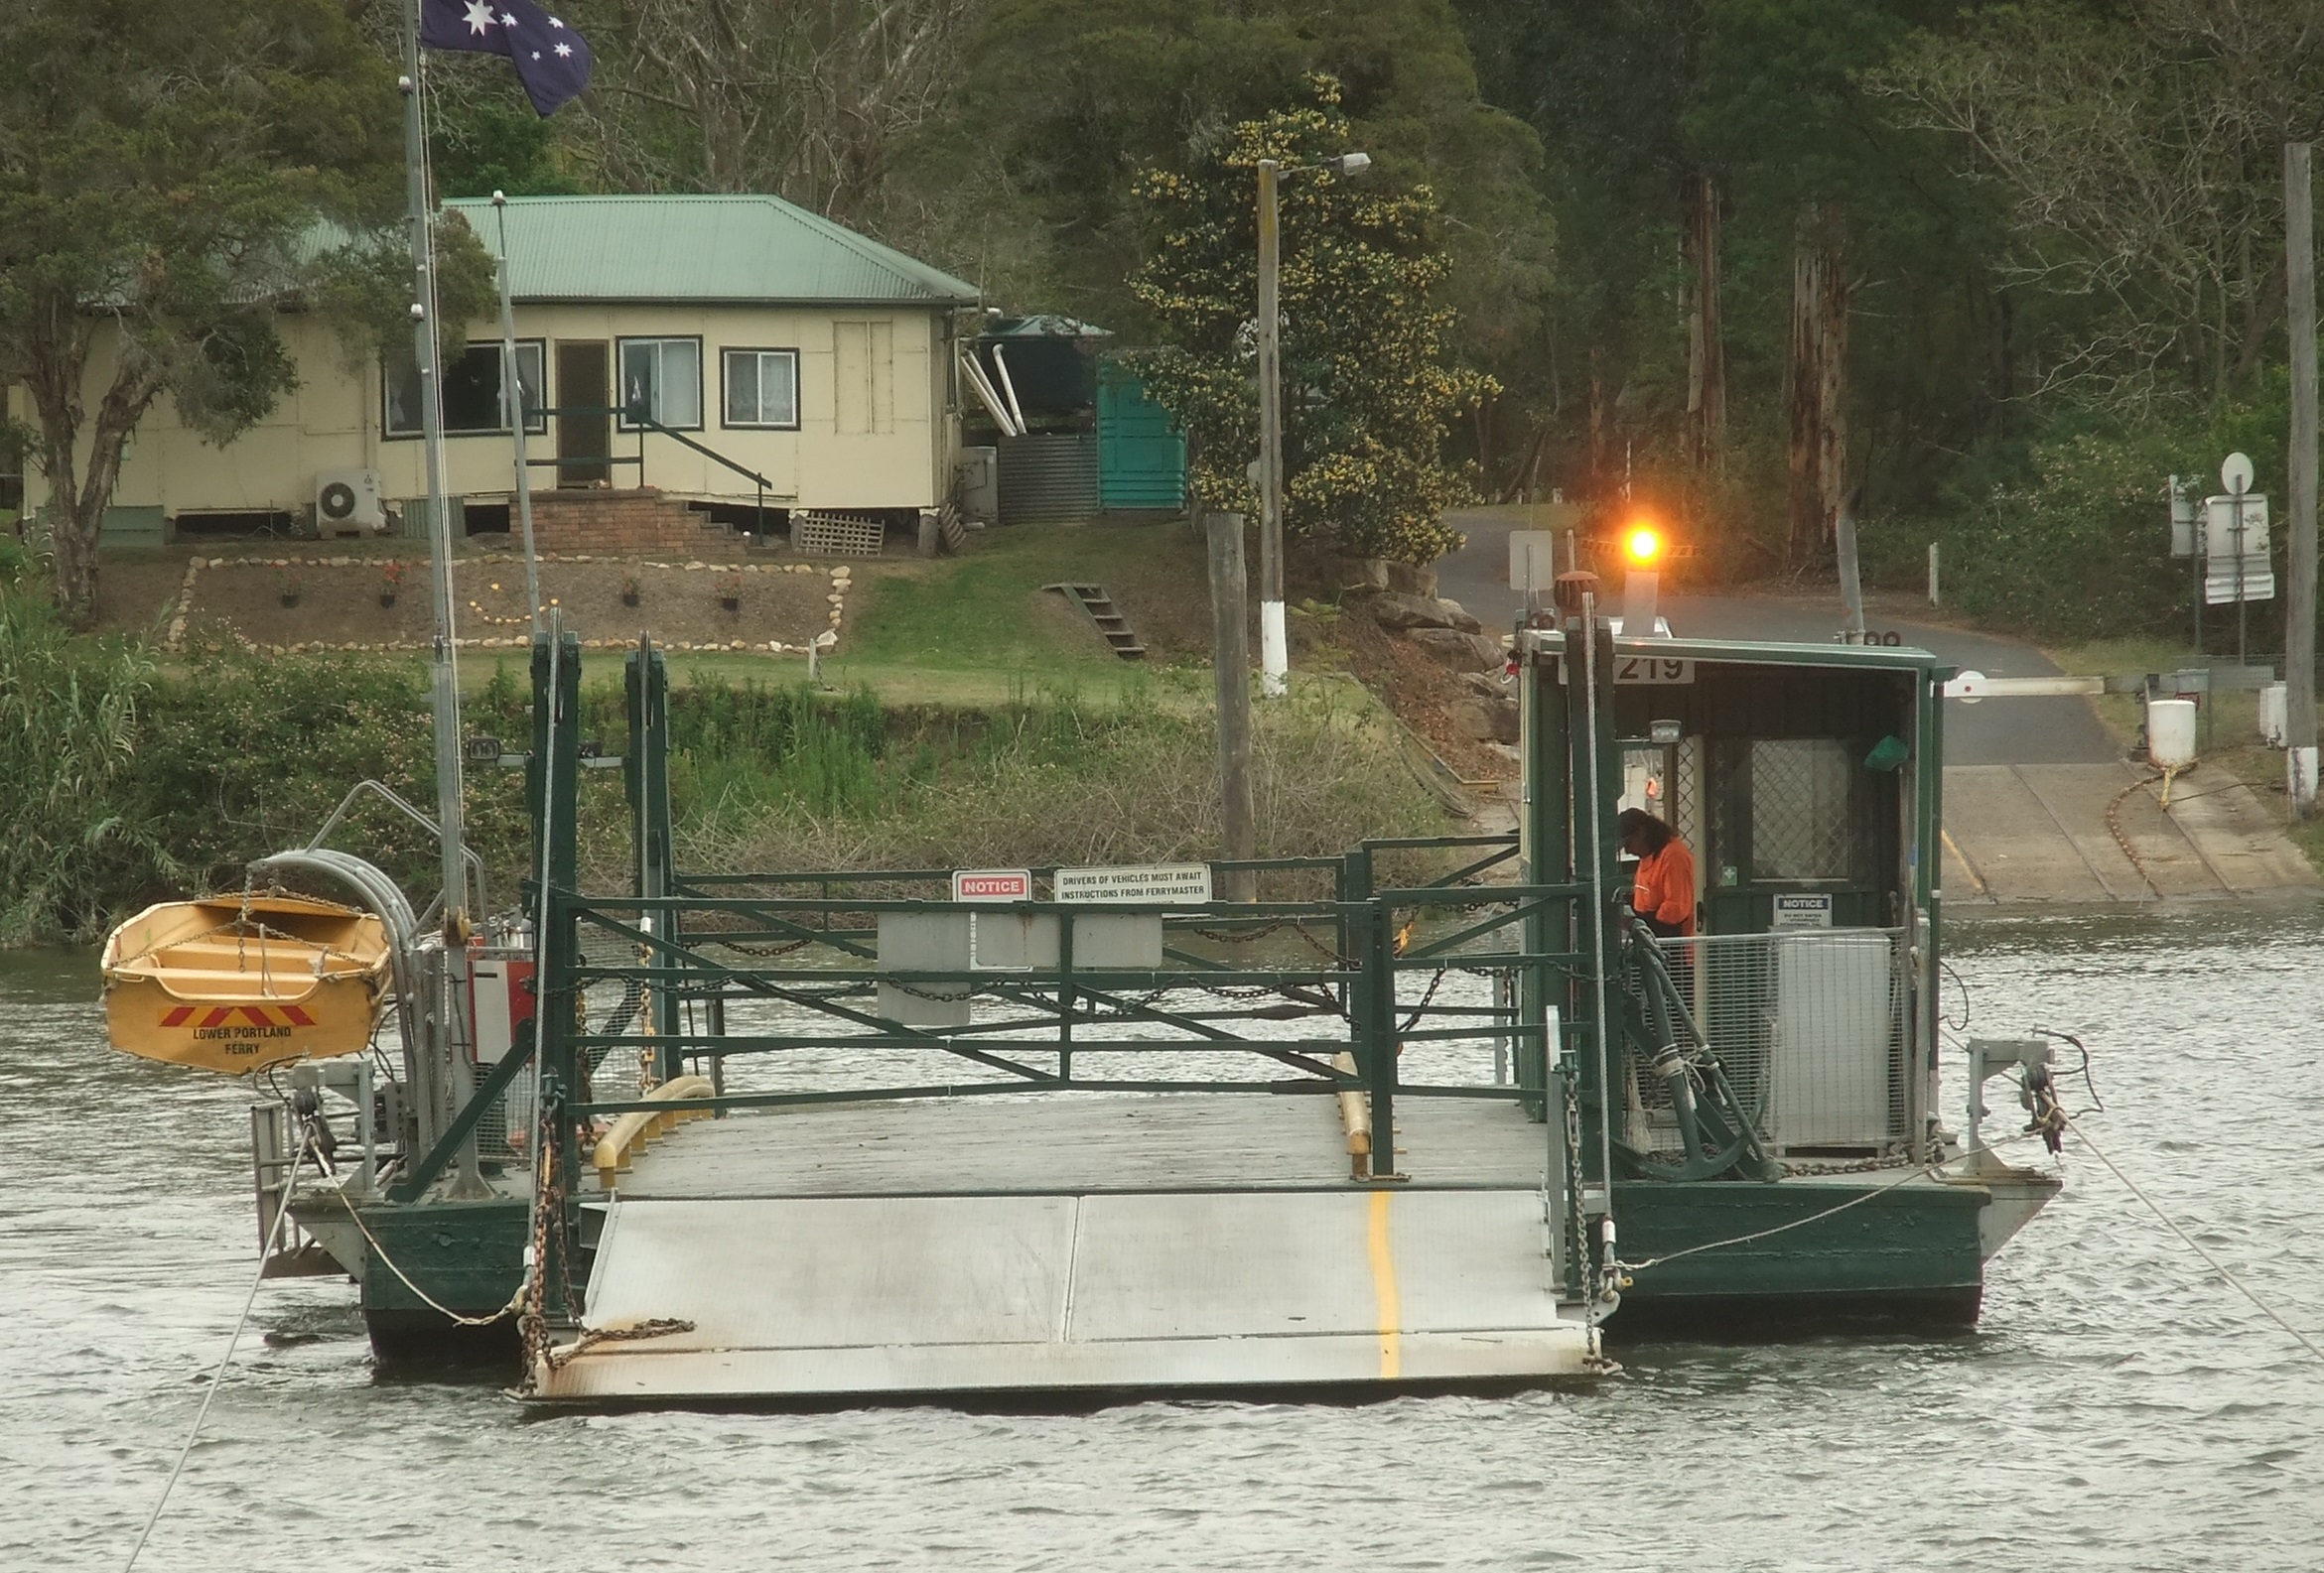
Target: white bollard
x,y
2274,714
2299,780
2170,733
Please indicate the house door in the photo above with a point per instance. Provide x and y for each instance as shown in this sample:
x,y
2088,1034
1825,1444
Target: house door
x,y
581,385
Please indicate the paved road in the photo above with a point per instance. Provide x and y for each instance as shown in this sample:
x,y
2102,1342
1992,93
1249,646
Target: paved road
x,y
1995,731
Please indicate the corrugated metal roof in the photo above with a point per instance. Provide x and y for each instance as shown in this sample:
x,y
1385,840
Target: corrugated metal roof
x,y
699,248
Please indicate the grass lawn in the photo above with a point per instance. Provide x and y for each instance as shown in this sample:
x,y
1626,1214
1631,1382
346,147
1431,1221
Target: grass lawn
x,y
987,612
2228,736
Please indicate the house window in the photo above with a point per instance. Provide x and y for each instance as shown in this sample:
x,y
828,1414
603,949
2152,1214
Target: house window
x,y
663,377
471,391
763,388
863,375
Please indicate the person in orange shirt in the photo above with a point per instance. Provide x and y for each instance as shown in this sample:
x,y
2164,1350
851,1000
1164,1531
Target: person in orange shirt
x,y
1665,895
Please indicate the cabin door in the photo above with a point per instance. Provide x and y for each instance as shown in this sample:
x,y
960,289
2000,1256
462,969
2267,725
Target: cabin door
x,y
585,441
1799,818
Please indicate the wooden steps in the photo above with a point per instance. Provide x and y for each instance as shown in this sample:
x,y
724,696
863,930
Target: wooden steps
x,y
1093,599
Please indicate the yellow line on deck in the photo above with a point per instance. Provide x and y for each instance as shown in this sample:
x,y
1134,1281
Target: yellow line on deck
x,y
1384,1288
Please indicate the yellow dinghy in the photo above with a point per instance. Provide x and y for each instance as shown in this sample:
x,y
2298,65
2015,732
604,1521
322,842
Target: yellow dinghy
x,y
235,984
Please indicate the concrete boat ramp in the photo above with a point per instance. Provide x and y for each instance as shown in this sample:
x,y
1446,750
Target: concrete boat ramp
x,y
1069,1242
2091,834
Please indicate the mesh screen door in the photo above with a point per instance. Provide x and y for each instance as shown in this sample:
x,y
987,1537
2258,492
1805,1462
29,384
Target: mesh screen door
x,y
1798,808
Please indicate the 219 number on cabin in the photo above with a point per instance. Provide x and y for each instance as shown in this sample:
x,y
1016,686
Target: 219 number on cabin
x,y
1652,669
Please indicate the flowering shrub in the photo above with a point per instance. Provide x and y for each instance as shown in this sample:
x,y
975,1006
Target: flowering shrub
x,y
1369,390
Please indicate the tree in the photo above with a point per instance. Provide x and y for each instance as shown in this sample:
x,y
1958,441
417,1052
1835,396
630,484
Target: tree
x,y
2137,149
808,98
1369,390
159,168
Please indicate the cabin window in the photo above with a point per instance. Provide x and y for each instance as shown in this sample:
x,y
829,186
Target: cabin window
x,y
863,378
1798,808
763,388
473,403
663,377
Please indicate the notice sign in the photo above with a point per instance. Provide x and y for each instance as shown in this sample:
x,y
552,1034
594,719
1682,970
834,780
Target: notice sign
x,y
991,884
1802,912
1158,883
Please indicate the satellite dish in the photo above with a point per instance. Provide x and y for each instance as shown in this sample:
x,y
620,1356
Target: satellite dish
x,y
2236,474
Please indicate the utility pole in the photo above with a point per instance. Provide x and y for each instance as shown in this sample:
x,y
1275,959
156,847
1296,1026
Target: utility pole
x,y
1231,656
1275,661
1851,585
1274,646
2299,624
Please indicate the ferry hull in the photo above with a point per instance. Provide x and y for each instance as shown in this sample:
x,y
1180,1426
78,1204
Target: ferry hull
x,y
1902,1254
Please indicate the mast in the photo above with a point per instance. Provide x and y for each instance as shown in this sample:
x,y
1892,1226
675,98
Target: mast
x,y
445,678
512,391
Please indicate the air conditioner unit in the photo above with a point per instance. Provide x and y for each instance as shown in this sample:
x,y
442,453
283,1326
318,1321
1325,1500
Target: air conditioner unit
x,y
346,503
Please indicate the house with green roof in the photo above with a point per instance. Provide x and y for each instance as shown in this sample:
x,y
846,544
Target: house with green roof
x,y
675,351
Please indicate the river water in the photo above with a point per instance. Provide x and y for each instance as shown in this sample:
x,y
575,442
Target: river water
x,y
2119,1407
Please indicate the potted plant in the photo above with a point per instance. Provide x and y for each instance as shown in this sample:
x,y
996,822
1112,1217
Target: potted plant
x,y
631,594
287,582
730,591
390,582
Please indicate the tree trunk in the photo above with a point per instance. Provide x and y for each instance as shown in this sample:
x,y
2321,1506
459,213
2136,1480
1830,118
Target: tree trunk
x,y
1819,384
1706,334
56,363
1597,417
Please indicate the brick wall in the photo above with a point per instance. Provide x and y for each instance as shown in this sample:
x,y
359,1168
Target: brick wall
x,y
639,519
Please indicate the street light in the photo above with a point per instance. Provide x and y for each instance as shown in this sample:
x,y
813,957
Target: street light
x,y
1273,645
1642,549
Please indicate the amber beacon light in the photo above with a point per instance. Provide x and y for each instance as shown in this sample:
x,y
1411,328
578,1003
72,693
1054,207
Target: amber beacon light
x,y
1643,545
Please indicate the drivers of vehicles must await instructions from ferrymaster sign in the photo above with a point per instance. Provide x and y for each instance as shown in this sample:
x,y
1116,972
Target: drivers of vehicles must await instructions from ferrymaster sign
x,y
1158,882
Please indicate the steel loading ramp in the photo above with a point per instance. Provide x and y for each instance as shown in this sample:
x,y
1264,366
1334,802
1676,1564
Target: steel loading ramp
x,y
836,1296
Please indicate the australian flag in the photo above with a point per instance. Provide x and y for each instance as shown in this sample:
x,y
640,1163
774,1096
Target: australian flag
x,y
551,60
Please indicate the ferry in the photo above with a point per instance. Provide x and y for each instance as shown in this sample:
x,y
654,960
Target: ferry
x,y
861,1133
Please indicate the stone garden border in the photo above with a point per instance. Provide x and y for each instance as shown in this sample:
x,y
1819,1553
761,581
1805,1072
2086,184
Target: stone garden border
x,y
841,578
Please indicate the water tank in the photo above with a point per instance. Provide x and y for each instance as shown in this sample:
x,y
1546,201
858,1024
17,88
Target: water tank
x,y
2170,733
1048,479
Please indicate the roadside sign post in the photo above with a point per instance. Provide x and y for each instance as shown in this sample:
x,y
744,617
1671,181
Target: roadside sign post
x,y
2299,621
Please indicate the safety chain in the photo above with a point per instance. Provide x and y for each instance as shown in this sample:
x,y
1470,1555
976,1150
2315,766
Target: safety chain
x,y
549,1197
1421,1009
1252,936
755,950
1896,1160
1577,1229
2114,823
651,1326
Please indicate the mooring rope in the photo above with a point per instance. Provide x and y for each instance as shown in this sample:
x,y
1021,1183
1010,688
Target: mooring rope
x,y
425,1299
2193,1244
1862,1197
217,1377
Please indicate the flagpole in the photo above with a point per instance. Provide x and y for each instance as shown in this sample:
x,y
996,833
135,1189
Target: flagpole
x,y
445,687
510,381
451,1078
